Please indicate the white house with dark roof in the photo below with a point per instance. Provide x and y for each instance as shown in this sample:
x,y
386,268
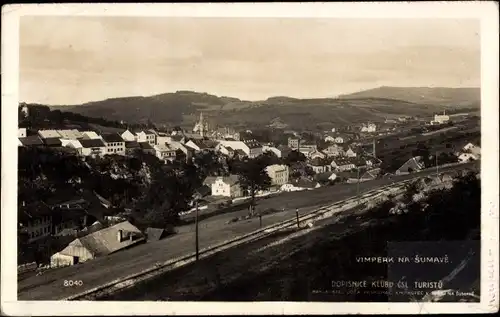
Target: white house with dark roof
x,y
93,147
146,136
164,152
278,174
114,143
227,186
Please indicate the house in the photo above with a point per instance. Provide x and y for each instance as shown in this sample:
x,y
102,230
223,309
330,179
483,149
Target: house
x,y
467,157
440,119
342,164
330,139
333,130
414,164
473,149
148,136
370,175
285,150
202,145
44,134
164,152
156,234
35,220
293,142
128,136
325,177
272,149
114,143
227,186
90,135
319,165
52,142
73,144
316,154
21,132
333,150
278,173
98,244
32,140
369,128
131,147
72,134
305,184
254,148
339,140
349,152
146,147
226,150
93,147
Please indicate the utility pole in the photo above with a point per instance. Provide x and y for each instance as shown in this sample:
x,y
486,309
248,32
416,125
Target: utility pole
x,y
437,166
196,232
357,187
260,220
297,217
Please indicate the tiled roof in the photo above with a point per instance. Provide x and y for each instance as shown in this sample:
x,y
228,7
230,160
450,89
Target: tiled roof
x,y
132,144
231,179
31,140
105,241
146,146
112,137
52,142
89,143
155,234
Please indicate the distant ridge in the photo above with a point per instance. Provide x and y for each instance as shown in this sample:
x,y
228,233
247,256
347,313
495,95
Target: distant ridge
x,y
183,107
423,95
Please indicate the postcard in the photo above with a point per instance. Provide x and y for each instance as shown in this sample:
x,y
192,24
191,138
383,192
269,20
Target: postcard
x,y
260,158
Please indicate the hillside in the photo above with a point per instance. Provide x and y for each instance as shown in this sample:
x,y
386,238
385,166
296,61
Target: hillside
x,y
423,95
183,107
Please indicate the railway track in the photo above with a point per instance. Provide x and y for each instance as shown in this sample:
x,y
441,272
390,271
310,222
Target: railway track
x,y
160,268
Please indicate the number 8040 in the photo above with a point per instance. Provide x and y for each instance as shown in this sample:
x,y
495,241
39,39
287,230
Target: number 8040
x,y
70,283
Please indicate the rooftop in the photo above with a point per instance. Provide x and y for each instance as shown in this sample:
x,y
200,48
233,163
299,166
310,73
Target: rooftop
x,y
90,143
112,137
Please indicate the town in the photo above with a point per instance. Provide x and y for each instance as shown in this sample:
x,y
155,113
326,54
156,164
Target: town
x,y
86,193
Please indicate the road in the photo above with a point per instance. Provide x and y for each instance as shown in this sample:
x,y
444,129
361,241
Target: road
x,y
213,230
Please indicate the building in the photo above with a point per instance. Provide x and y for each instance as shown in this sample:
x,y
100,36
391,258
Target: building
x,y
93,147
440,119
226,150
52,142
201,145
279,174
350,153
90,135
73,144
254,148
369,128
319,165
342,164
272,149
21,132
467,157
339,140
146,147
35,220
97,244
316,154
473,149
325,177
305,184
414,164
44,134
334,150
128,136
330,139
72,134
148,136
293,143
31,141
164,153
227,186
131,147
114,143
201,127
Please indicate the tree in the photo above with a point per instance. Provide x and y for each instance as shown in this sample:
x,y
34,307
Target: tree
x,y
253,177
294,157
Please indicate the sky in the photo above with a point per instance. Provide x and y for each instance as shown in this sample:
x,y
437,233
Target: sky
x,y
72,60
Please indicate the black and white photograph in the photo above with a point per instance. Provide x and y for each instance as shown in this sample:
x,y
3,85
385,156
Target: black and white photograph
x,y
182,155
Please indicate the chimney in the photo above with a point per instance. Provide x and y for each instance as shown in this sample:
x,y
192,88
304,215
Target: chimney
x,y
131,237
119,235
